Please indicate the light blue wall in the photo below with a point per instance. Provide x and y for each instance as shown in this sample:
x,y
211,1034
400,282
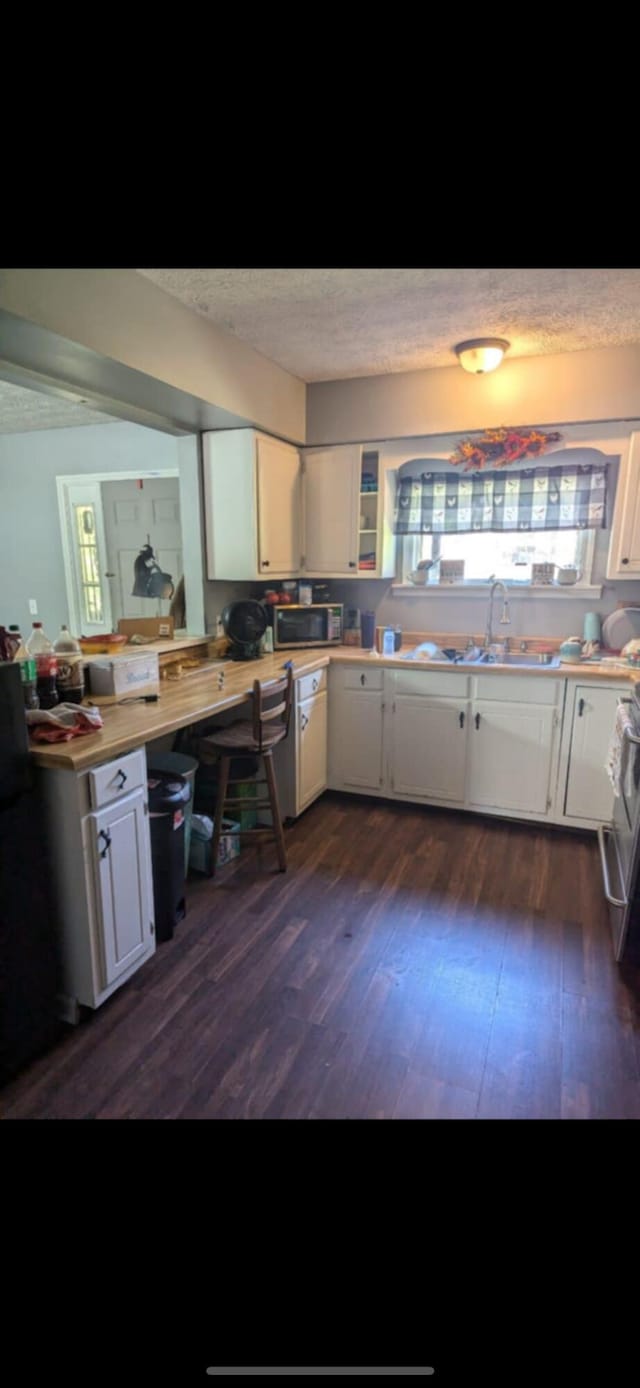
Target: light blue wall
x,y
30,547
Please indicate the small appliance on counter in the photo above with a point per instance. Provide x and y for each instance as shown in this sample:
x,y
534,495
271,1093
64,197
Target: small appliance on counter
x,y
245,623
307,624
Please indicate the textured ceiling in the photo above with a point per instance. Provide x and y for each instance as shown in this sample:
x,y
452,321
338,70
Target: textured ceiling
x,y
22,411
327,325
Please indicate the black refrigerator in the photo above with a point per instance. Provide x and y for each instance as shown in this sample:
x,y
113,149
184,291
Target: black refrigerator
x,y
28,961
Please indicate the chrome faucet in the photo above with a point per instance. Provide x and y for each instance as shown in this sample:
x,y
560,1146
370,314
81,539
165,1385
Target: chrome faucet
x,y
505,619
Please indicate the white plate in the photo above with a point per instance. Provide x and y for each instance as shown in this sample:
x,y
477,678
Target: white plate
x,y
620,627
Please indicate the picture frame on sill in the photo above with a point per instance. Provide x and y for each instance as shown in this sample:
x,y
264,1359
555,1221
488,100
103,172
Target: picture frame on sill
x,y
451,571
542,575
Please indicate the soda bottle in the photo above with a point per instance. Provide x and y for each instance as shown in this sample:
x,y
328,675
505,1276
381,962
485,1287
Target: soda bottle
x,y
15,638
70,678
28,675
41,650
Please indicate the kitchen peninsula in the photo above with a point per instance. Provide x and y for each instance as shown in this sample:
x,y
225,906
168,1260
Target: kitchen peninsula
x,y
527,744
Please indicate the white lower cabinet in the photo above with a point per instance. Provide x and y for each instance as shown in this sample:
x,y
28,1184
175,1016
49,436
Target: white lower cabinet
x,y
511,754
312,734
301,760
590,716
118,839
102,875
485,742
429,747
355,729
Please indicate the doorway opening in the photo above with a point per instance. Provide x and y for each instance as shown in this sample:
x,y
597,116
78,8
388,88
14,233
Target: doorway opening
x,y
105,520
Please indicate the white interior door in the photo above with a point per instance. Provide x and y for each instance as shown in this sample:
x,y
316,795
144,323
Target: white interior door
x,y
85,553
133,510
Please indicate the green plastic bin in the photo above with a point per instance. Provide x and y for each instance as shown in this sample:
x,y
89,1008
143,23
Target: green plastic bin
x,y
182,766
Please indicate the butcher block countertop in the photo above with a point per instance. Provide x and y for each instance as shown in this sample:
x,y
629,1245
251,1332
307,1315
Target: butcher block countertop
x,y
228,683
180,703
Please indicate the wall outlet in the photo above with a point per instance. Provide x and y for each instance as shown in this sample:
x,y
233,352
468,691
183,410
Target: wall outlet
x,y
33,607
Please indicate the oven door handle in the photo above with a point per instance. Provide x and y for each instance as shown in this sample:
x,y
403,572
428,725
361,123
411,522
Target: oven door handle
x,y
613,900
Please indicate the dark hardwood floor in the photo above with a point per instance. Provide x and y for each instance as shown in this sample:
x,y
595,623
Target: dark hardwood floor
x,y
412,963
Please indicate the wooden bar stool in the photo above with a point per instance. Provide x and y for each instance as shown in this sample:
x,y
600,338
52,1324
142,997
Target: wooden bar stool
x,y
268,726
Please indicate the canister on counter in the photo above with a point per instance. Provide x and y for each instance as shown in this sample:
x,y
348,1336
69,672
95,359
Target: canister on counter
x,y
351,630
368,630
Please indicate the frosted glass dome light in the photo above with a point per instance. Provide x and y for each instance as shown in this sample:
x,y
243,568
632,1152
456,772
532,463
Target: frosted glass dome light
x,y
481,354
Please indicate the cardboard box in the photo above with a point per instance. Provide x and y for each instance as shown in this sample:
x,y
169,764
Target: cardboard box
x,y
157,627
228,848
125,676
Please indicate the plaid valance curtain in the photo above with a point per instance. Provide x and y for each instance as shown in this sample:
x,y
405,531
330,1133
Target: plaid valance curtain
x,y
570,497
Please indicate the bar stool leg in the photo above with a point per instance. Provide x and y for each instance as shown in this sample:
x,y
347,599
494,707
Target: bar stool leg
x,y
275,811
223,777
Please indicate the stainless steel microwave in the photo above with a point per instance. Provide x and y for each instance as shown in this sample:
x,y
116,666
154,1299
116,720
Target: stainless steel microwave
x,y
313,624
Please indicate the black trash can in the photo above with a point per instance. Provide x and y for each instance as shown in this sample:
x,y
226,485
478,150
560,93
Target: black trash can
x,y
168,795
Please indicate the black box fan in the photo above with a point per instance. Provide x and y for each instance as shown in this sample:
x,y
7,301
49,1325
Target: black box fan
x,y
245,624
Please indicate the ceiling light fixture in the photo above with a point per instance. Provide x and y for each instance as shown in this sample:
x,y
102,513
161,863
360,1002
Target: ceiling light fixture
x,y
481,354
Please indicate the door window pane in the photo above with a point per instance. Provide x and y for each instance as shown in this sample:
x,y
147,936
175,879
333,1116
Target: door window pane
x,y
89,568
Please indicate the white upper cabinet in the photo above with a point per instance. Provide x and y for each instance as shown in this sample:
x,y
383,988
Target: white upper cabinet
x,y
331,489
252,487
348,513
624,550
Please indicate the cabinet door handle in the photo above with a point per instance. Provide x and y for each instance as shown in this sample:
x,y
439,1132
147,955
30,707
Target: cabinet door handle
x,y
477,720
123,776
581,708
314,685
352,563
265,563
104,834
625,561
303,721
461,719
363,679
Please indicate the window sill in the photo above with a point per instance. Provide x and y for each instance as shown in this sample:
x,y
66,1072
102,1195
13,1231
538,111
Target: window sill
x,y
481,590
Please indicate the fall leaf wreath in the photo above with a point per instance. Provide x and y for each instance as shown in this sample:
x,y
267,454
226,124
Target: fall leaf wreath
x,y
499,447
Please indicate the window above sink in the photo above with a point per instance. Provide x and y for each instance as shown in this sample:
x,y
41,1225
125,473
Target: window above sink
x,y
508,556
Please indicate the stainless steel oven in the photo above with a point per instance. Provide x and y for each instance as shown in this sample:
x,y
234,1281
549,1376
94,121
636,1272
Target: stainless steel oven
x,y
620,843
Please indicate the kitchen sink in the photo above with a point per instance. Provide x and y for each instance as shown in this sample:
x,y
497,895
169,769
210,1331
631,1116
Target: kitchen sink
x,y
532,661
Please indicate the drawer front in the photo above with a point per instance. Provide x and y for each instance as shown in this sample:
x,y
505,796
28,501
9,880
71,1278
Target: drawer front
x,y
431,682
362,677
116,778
311,684
517,689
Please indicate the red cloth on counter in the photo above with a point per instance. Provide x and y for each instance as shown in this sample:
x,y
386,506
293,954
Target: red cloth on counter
x,y
62,723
